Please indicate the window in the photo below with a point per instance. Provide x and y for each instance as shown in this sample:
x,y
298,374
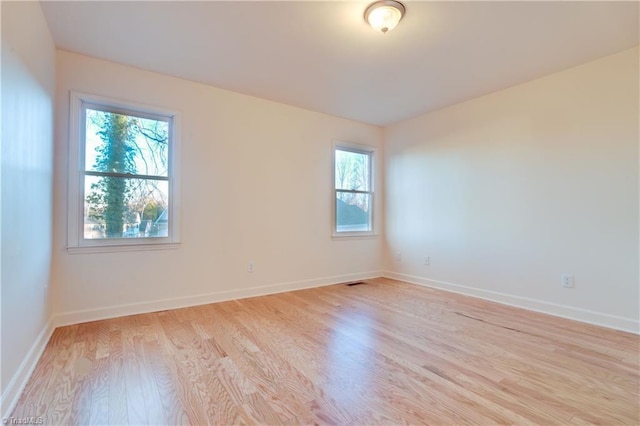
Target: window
x,y
122,186
353,198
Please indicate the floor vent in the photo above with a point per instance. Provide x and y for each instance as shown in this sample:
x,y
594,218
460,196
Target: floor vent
x,y
355,283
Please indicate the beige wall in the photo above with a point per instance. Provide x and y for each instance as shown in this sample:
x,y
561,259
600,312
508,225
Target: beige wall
x,y
508,191
256,186
28,86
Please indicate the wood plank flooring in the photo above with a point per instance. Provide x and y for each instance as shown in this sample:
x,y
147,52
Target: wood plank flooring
x,y
381,352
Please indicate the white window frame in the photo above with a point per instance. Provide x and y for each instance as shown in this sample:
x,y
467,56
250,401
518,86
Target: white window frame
x,y
76,243
360,149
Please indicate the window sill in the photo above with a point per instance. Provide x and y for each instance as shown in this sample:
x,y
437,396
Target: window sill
x,y
111,248
354,236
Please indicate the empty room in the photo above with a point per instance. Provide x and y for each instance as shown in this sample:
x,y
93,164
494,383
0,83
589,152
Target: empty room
x,y
320,212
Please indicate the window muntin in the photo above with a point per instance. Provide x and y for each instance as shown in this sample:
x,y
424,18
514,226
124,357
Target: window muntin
x,y
124,178
353,199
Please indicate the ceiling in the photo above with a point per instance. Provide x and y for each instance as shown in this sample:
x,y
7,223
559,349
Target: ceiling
x,y
323,56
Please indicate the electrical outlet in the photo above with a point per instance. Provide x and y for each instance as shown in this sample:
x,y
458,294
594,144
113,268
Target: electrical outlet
x,y
427,261
251,267
567,281
398,257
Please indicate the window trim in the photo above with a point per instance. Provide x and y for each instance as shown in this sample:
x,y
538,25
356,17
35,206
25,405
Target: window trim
x,y
76,243
360,149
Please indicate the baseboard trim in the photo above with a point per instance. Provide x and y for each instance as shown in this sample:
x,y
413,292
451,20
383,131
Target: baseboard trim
x,y
77,317
14,389
558,310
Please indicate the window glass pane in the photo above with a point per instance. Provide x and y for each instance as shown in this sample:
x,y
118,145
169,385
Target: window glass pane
x,y
352,170
353,212
119,143
117,207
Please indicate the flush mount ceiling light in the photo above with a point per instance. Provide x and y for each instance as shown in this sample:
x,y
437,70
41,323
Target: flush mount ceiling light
x,y
384,15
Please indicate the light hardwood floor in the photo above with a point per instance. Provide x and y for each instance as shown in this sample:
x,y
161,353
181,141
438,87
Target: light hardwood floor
x,y
382,352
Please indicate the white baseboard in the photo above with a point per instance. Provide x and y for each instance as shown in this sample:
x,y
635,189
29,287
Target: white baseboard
x,y
583,315
16,385
77,317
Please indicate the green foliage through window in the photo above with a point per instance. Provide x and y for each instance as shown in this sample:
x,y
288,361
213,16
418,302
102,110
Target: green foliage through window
x,y
353,190
126,175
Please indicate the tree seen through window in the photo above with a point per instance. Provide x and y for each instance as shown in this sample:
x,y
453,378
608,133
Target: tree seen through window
x,y
126,175
353,190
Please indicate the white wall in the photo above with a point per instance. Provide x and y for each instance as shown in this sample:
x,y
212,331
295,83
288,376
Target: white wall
x,y
28,88
508,191
256,186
